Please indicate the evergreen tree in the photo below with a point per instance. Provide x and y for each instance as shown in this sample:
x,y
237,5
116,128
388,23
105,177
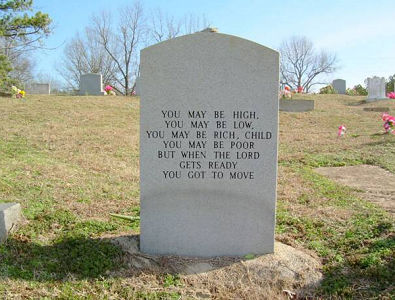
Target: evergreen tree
x,y
19,30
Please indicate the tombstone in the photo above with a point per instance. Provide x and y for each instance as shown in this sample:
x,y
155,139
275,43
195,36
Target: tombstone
x,y
91,84
38,89
10,216
208,146
339,85
376,88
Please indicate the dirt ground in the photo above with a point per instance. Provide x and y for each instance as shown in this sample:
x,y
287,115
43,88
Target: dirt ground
x,y
376,184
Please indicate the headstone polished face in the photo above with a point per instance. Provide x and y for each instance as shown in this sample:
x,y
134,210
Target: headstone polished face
x,y
208,146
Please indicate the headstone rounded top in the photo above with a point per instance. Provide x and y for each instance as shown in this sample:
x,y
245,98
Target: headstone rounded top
x,y
200,38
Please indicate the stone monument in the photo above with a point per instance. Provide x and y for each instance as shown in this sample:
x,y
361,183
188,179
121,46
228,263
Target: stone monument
x,y
91,84
376,88
10,215
38,89
208,146
339,85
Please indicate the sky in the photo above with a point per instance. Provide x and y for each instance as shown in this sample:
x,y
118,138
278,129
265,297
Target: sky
x,y
361,33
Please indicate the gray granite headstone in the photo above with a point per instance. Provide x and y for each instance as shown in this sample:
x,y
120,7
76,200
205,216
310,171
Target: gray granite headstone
x,y
91,84
339,85
38,88
10,215
376,88
208,146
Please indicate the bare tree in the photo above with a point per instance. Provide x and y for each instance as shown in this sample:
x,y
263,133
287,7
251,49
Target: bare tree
x,y
301,64
193,23
85,55
163,27
121,41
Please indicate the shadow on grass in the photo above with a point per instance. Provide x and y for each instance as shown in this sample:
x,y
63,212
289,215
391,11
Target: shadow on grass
x,y
387,139
87,258
83,257
356,103
363,276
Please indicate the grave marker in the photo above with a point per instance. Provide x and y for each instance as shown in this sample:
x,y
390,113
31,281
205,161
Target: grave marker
x,y
376,88
208,146
38,89
339,85
91,84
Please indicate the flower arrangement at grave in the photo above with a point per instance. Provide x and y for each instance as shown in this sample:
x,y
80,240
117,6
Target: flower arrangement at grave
x,y
391,95
286,93
341,131
300,90
17,93
389,123
109,90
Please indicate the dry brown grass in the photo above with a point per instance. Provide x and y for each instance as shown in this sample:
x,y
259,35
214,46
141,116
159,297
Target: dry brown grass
x,y
88,142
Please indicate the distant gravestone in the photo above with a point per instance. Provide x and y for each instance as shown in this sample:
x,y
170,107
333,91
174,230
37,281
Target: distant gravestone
x,y
10,216
208,156
38,88
91,84
376,88
339,85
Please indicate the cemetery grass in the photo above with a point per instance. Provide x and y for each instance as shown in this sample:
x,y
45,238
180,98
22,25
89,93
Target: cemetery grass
x,y
70,161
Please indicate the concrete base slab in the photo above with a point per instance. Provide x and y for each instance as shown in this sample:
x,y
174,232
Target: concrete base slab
x,y
10,216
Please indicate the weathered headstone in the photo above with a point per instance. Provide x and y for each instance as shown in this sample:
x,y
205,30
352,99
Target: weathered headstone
x,y
376,88
339,85
10,215
38,89
91,84
208,146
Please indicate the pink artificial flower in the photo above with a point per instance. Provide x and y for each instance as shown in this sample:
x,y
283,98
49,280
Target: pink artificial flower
x,y
341,131
300,89
389,123
134,93
108,88
391,95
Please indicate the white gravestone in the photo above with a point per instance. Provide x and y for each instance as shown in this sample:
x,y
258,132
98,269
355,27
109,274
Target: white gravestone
x,y
376,88
208,146
38,88
91,84
339,85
